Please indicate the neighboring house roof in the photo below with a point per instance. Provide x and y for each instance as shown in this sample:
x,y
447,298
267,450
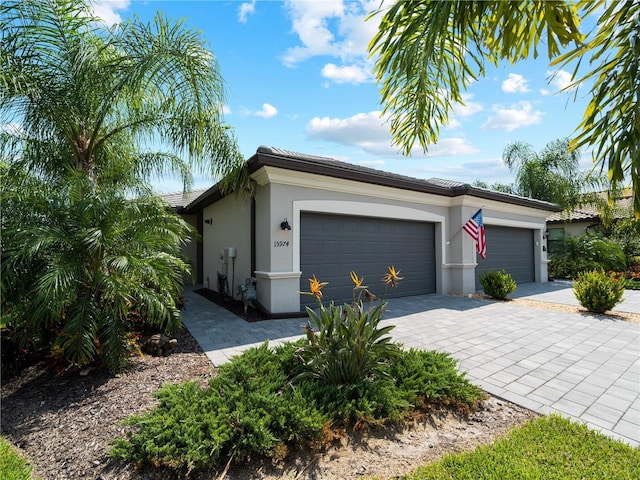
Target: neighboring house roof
x,y
587,213
275,157
179,200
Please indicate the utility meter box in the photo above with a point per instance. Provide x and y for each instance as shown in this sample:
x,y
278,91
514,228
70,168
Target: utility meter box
x,y
229,253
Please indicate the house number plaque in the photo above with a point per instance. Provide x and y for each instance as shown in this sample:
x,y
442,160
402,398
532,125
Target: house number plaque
x,y
281,243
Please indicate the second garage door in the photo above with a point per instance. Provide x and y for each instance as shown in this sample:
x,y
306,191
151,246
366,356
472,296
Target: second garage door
x,y
510,249
331,246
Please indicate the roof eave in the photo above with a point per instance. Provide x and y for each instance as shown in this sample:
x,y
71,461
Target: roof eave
x,y
210,196
268,157
262,159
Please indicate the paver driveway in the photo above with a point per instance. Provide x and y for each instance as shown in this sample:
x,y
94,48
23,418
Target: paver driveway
x,y
549,361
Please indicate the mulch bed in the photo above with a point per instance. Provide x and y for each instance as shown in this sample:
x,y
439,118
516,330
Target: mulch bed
x,y
63,422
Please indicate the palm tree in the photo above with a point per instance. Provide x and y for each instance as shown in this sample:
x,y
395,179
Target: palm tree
x,y
88,117
83,98
428,52
552,175
82,264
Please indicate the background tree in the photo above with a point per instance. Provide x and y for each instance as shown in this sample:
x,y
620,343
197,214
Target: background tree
x,y
498,187
553,175
88,116
429,52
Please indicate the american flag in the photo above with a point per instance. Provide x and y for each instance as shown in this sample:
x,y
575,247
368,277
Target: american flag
x,y
475,228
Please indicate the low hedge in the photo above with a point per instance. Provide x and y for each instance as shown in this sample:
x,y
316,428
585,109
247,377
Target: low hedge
x,y
253,407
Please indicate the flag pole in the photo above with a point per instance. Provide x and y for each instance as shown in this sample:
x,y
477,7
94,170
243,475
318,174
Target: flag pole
x,y
456,234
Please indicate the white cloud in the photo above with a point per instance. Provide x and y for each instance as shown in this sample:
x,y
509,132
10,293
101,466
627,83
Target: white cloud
x,y
310,21
359,129
330,27
469,108
370,132
518,115
453,124
462,111
267,111
346,74
515,83
106,10
245,10
450,146
560,79
544,92
490,170
226,109
372,163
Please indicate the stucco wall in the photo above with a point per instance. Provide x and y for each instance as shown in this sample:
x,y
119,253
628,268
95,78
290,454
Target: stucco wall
x,y
286,194
230,227
574,229
281,265
455,252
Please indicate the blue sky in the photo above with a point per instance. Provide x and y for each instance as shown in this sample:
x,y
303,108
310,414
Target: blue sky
x,y
298,77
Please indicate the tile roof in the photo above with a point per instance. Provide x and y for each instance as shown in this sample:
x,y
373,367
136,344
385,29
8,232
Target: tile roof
x,y
588,212
181,199
446,183
294,161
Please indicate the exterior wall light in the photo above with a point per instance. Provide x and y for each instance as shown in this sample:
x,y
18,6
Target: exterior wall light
x,y
285,224
209,221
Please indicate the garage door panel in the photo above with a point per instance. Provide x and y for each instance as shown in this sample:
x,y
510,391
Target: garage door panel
x,y
350,247
510,249
368,246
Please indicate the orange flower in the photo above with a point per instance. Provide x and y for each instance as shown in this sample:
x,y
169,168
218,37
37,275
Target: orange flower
x,y
315,287
392,277
357,281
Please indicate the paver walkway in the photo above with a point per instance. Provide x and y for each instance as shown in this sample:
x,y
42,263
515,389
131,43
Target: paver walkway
x,y
548,361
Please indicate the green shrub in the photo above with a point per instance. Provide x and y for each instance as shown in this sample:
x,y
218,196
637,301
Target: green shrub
x,y
569,267
266,401
497,284
416,379
587,252
632,284
598,291
250,408
430,377
626,232
253,408
369,401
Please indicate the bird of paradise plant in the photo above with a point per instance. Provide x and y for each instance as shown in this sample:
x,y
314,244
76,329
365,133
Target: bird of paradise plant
x,y
315,288
347,345
392,278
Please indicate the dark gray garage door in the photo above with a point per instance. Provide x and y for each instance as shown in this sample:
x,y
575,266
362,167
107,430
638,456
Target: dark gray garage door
x,y
510,249
331,246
